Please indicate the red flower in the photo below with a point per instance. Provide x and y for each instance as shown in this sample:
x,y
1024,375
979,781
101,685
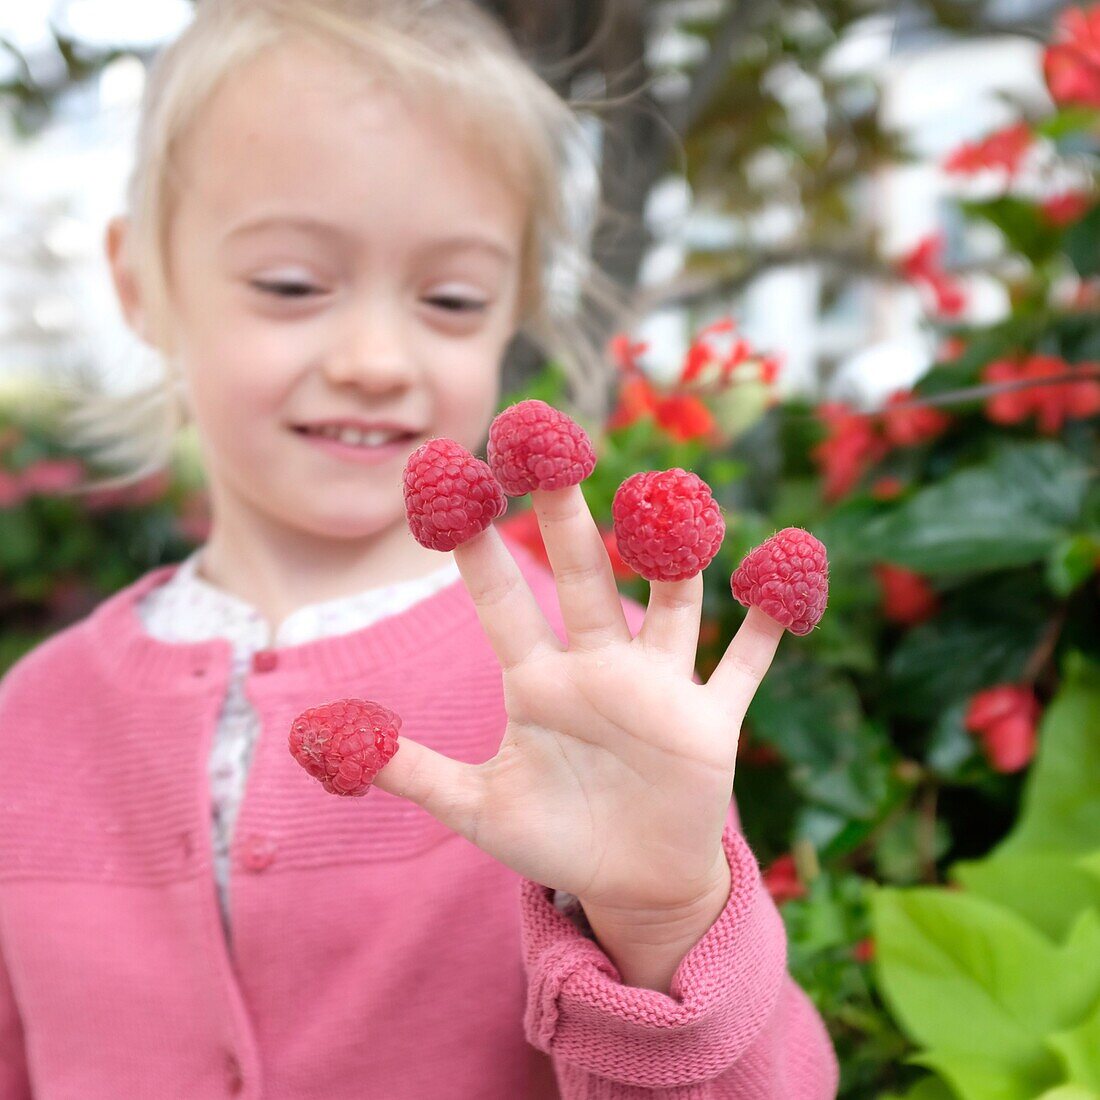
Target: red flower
x,y
53,475
907,598
921,265
1009,406
701,352
864,951
1072,65
909,426
1003,149
1004,719
1065,208
684,417
850,448
637,399
625,354
1052,403
887,488
951,348
781,880
769,370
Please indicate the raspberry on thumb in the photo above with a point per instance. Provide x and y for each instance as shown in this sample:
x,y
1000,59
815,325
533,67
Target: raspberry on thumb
x,y
532,445
345,744
450,495
787,577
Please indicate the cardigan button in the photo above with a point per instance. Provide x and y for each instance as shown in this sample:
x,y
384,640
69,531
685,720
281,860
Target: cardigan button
x,y
264,660
257,852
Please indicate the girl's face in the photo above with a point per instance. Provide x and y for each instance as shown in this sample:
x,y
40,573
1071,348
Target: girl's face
x,y
334,256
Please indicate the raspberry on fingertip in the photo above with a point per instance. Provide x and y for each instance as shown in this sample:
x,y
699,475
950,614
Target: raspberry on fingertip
x,y
532,445
787,577
668,526
450,496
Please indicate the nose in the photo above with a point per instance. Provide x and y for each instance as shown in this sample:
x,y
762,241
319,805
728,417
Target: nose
x,y
372,349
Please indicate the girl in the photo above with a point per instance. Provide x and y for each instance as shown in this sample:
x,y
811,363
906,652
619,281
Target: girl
x,y
340,215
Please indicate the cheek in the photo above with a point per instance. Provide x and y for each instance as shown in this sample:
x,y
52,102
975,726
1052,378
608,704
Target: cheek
x,y
468,391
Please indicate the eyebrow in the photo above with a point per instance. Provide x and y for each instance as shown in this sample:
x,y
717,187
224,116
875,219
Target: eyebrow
x,y
455,243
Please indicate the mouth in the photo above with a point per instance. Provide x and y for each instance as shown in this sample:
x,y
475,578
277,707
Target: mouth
x,y
356,437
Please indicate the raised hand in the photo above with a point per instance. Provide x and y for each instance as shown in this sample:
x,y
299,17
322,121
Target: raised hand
x,y
614,775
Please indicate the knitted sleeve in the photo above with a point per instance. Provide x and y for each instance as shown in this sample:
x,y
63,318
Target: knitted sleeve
x,y
14,1081
735,1026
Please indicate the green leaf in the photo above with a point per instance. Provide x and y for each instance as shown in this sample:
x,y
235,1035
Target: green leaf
x,y
985,636
1009,511
898,848
1071,562
930,1088
950,744
964,976
1048,889
1020,222
1079,1049
1079,243
1065,121
982,1079
20,544
838,761
1070,1092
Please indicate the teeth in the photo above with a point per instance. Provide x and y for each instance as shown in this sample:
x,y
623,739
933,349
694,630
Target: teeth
x,y
357,438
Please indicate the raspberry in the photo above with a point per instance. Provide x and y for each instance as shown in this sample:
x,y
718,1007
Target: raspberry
x,y
450,495
667,525
345,744
787,577
532,445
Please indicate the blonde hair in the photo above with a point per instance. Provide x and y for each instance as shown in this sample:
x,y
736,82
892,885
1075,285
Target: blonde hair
x,y
447,51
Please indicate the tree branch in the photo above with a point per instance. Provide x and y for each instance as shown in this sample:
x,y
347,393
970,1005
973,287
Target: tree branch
x,y
683,115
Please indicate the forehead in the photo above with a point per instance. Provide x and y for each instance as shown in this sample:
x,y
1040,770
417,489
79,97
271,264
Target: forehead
x,y
302,129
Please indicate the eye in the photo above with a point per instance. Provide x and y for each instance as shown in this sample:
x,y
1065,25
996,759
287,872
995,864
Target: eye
x,y
285,289
455,304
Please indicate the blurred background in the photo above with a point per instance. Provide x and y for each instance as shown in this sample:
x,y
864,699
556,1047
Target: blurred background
x,y
862,238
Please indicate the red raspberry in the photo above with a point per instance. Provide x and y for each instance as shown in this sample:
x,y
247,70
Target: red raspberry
x,y
667,525
345,744
450,496
532,445
787,577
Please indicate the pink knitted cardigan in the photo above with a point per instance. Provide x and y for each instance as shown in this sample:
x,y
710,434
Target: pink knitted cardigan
x,y
374,952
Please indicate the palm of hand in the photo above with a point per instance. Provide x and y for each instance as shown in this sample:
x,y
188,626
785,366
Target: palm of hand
x,y
615,772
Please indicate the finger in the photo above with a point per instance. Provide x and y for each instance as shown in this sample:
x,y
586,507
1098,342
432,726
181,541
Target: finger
x,y
591,607
672,617
746,660
450,790
506,607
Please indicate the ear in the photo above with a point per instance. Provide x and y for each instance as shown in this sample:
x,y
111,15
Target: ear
x,y
122,274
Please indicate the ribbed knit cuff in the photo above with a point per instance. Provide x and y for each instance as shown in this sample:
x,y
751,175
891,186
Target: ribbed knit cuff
x,y
722,994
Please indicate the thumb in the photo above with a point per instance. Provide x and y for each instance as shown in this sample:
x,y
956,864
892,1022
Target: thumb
x,y
450,790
